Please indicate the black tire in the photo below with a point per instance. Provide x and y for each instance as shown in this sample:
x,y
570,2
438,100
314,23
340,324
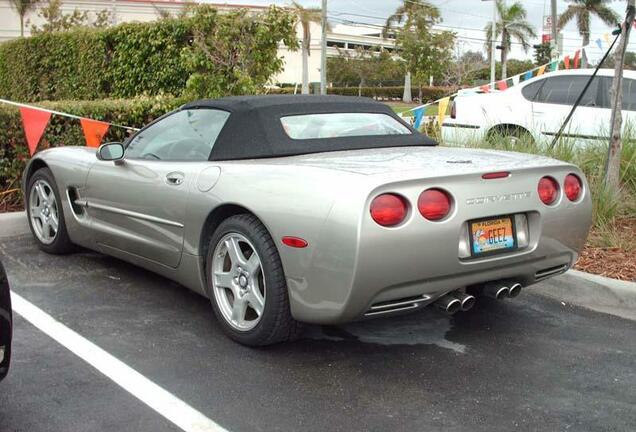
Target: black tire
x,y
512,137
276,323
61,243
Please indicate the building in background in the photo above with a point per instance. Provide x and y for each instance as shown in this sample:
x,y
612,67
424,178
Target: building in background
x,y
341,37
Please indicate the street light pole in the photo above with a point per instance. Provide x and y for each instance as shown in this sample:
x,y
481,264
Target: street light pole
x,y
554,52
493,44
323,50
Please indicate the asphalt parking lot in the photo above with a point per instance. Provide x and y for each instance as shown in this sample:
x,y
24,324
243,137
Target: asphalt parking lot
x,y
531,363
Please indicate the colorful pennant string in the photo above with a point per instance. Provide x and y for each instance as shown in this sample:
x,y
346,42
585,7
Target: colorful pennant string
x,y
94,131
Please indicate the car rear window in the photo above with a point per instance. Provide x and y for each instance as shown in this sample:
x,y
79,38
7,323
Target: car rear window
x,y
339,125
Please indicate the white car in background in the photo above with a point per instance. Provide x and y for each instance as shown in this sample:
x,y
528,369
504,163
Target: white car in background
x,y
535,109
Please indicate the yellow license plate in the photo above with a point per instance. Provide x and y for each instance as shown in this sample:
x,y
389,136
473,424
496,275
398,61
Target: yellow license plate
x,y
492,235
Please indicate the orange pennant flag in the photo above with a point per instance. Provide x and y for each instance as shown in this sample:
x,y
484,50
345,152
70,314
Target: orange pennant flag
x,y
34,122
94,131
566,61
541,70
485,88
502,85
577,57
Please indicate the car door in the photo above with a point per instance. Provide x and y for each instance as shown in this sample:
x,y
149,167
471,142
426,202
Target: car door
x,y
628,107
138,205
554,99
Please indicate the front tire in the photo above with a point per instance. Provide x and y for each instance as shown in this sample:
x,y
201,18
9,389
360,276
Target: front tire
x,y
45,213
247,285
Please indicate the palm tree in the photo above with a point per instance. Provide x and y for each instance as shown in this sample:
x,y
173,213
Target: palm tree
x,y
304,17
582,10
23,7
512,24
406,16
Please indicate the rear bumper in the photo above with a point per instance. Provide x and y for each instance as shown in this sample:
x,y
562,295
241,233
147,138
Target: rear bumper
x,y
357,267
461,133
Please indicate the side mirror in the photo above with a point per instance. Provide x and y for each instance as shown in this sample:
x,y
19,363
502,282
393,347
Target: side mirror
x,y
113,151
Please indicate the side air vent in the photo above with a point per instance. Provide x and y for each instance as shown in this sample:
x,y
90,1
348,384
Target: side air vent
x,y
551,271
74,199
403,304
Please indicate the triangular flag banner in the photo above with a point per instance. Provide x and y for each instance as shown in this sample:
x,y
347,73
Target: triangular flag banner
x,y
418,114
577,58
554,65
34,122
501,85
485,88
599,43
94,131
441,109
566,61
606,37
527,76
541,70
515,80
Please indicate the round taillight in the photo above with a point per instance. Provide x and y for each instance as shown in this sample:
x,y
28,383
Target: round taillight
x,y
388,209
548,190
434,204
572,187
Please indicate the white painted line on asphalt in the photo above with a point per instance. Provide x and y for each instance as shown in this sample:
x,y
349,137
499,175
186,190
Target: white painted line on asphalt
x,y
157,398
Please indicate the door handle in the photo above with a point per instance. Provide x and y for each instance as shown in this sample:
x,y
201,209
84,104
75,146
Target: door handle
x,y
174,178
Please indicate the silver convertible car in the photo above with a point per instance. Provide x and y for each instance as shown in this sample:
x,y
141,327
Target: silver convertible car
x,y
311,209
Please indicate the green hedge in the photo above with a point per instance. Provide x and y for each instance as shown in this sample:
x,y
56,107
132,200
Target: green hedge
x,y
122,61
384,93
67,131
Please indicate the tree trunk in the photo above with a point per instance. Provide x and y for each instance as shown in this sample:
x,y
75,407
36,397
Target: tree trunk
x,y
613,164
586,42
305,68
406,96
504,59
504,56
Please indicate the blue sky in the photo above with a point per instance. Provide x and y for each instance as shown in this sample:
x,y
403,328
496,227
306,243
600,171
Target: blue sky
x,y
466,17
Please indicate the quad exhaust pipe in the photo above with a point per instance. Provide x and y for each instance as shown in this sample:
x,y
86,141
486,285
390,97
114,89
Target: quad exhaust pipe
x,y
455,302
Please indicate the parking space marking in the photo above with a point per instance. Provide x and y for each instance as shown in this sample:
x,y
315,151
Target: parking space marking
x,y
163,402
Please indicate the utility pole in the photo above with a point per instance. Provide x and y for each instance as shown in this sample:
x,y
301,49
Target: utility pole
x,y
613,163
554,52
493,42
323,50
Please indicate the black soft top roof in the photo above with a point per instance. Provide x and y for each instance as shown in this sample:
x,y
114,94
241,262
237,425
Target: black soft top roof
x,y
254,130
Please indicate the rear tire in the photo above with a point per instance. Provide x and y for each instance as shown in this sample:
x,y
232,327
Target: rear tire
x,y
246,284
511,137
46,215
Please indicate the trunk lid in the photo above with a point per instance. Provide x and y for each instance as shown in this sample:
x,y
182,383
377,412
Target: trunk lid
x,y
425,162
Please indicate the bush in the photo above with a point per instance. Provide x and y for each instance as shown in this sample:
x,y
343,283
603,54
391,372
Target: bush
x,y
68,132
227,53
382,93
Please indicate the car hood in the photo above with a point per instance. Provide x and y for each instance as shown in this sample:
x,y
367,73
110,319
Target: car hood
x,y
426,161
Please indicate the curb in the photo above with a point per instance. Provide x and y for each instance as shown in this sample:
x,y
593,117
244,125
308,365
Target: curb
x,y
13,224
593,292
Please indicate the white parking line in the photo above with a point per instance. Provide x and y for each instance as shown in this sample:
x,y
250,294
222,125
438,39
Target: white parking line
x,y
157,398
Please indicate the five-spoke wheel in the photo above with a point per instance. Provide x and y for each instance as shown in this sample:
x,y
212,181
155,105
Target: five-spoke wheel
x,y
43,211
238,283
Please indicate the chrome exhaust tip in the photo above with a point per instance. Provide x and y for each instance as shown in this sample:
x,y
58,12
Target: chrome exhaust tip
x,y
497,291
467,301
515,290
449,304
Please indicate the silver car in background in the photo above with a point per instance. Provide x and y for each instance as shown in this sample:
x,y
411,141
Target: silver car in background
x,y
289,209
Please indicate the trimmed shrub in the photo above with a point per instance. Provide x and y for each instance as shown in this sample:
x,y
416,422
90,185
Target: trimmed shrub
x,y
382,93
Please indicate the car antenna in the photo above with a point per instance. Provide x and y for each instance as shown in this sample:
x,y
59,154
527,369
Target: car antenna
x,y
616,32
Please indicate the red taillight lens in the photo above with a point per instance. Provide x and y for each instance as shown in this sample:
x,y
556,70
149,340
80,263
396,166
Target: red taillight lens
x,y
434,204
548,190
572,187
388,209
